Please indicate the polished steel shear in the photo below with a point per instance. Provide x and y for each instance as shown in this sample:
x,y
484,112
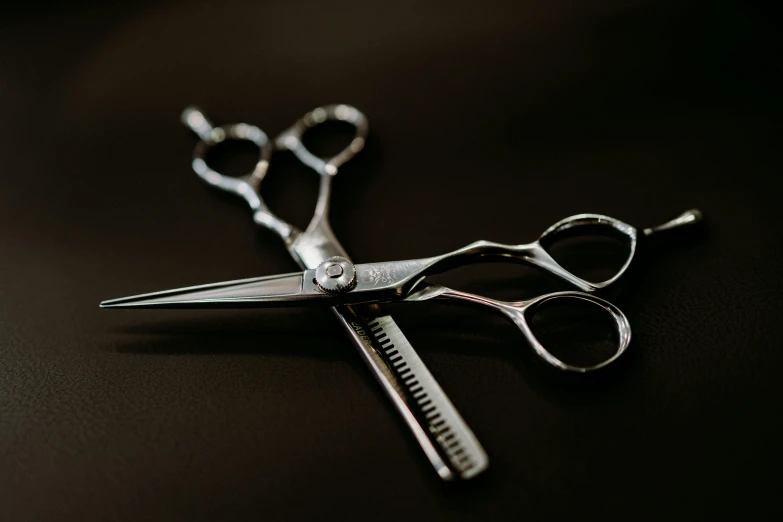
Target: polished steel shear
x,y
330,279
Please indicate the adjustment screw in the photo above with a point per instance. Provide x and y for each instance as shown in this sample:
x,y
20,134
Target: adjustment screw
x,y
335,275
334,271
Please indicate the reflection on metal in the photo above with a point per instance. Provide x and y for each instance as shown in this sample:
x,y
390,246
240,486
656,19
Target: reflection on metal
x,y
404,281
354,292
445,438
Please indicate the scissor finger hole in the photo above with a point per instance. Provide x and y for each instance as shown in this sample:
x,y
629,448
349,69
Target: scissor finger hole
x,y
576,331
232,157
329,138
326,163
593,253
235,150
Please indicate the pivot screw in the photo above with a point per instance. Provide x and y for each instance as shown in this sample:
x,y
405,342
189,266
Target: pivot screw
x,y
335,275
334,271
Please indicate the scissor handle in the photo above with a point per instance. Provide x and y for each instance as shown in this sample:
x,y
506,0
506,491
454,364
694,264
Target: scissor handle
x,y
247,186
534,253
521,312
585,225
537,252
291,138
211,136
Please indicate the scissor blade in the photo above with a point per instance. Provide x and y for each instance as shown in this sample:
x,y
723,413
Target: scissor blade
x,y
271,291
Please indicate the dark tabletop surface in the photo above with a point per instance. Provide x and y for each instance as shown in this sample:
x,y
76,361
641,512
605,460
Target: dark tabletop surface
x,y
488,120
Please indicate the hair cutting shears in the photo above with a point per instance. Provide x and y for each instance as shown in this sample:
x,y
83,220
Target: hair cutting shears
x,y
337,281
330,279
447,441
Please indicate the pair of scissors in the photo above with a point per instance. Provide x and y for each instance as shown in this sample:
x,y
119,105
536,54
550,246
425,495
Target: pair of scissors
x,y
330,279
447,441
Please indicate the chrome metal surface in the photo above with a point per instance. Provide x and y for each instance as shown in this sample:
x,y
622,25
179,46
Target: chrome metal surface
x,y
335,275
330,279
448,442
520,311
689,217
291,139
401,276
317,243
257,292
402,280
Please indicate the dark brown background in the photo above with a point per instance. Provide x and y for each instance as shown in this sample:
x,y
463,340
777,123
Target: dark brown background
x,y
489,120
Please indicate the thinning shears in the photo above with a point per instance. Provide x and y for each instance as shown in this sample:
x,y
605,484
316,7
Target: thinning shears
x,y
330,279
447,441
